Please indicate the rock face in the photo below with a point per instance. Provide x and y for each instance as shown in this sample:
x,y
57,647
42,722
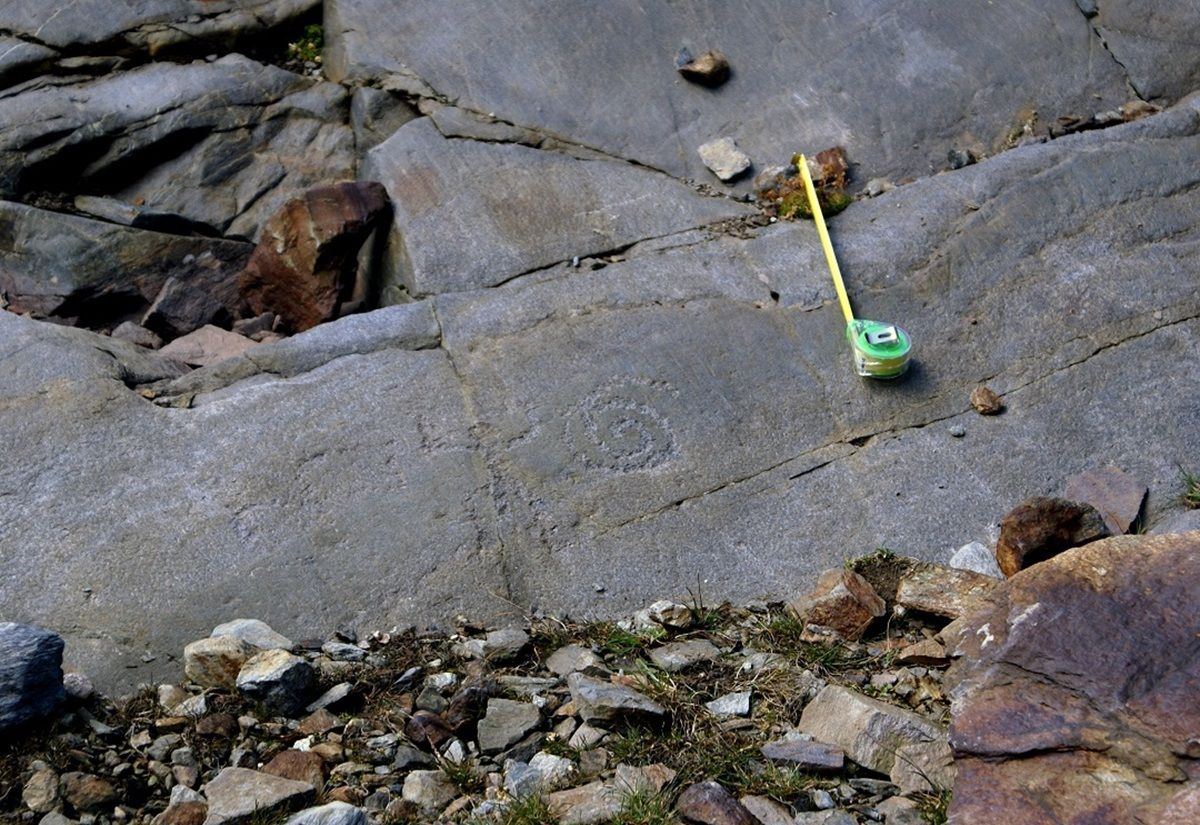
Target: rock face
x,y
306,260
1056,720
1116,495
222,144
1041,527
153,25
1152,47
688,408
98,274
31,677
471,214
1051,62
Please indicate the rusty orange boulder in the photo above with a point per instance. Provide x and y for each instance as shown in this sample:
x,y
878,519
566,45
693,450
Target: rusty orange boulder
x,y
1074,690
304,266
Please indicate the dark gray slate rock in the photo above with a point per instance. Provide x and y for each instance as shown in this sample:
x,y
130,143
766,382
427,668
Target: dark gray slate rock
x,y
1156,43
470,214
603,75
19,58
222,144
31,676
99,274
634,425
151,24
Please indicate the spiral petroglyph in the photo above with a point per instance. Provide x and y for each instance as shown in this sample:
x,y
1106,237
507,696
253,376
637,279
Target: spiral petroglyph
x,y
617,428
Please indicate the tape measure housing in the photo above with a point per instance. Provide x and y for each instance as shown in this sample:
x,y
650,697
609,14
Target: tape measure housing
x,y
880,350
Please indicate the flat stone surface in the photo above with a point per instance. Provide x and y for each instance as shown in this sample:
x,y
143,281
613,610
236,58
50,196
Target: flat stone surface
x,y
1054,720
238,794
604,75
253,632
255,135
677,656
869,731
805,755
506,723
1117,496
1156,43
470,214
631,426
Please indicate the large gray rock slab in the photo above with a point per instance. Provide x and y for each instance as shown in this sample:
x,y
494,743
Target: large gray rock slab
x,y
222,143
308,502
470,214
98,274
1155,42
671,396
688,412
603,74
151,24
31,676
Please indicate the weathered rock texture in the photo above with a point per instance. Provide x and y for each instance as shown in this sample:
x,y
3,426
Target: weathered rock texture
x,y
1041,527
603,75
149,24
31,677
471,214
99,274
1074,699
306,260
222,144
525,437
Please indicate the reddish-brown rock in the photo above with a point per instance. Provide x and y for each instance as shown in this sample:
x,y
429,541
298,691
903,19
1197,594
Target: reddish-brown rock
x,y
302,766
206,345
183,813
707,803
1041,527
842,603
427,730
985,401
85,792
224,725
1115,494
1074,693
304,266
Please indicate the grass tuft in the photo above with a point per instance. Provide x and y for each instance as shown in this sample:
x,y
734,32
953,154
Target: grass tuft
x,y
1191,489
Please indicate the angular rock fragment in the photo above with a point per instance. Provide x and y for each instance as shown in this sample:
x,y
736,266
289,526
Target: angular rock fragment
x,y
432,791
301,766
1041,527
676,656
599,701
942,591
1116,495
206,345
85,792
305,263
332,813
723,158
254,633
506,723
709,69
572,658
842,602
985,401
470,214
278,678
805,755
708,803
1056,720
869,731
237,795
31,677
